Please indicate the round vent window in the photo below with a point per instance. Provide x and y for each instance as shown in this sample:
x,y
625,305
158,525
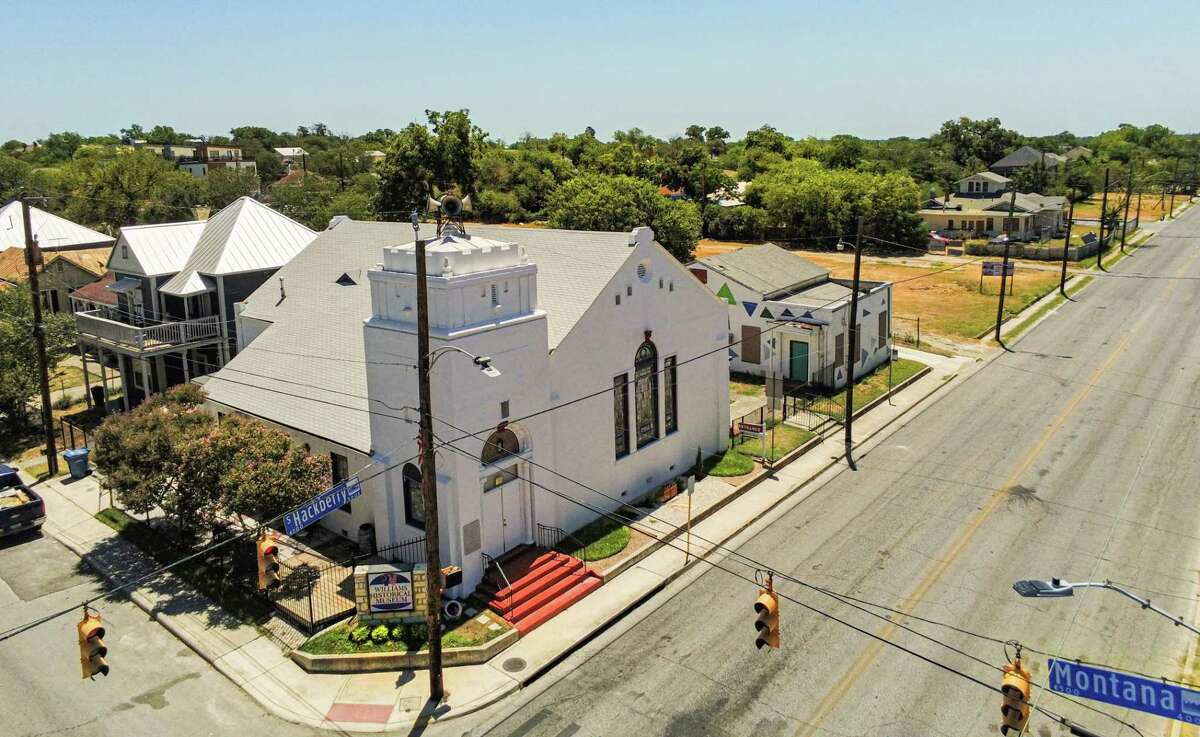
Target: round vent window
x,y
643,270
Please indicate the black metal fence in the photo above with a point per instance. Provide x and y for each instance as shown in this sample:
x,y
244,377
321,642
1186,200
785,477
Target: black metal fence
x,y
315,591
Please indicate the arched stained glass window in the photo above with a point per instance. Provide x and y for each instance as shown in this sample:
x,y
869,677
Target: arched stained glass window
x,y
645,393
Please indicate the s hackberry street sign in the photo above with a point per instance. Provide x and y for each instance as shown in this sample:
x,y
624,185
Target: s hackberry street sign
x,y
321,505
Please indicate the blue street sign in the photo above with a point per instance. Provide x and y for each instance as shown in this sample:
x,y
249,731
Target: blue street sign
x,y
1121,689
321,505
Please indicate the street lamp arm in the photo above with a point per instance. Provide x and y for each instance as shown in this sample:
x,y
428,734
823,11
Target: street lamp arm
x,y
1144,603
484,362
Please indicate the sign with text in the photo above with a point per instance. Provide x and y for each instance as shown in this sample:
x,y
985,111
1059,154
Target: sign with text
x,y
993,268
390,592
750,428
321,505
1122,689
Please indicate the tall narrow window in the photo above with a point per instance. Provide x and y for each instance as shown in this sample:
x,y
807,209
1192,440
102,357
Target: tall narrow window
x,y
670,402
839,350
645,393
620,414
883,326
414,503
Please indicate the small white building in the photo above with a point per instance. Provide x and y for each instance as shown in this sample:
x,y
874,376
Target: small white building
x,y
612,367
789,319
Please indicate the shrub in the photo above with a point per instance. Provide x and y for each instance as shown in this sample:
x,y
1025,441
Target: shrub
x,y
360,634
379,635
398,633
744,223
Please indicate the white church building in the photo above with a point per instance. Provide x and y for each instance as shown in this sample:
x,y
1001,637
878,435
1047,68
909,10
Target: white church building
x,y
612,360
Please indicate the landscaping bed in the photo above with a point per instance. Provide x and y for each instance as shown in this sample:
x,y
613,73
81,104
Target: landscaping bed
x,y
600,539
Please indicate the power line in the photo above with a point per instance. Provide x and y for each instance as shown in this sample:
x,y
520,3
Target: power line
x,y
880,638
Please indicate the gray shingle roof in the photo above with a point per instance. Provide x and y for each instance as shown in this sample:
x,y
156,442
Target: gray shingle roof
x,y
1026,155
766,269
316,336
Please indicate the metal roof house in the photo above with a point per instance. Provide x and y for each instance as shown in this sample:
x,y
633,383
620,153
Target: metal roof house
x,y
53,233
789,317
176,285
609,320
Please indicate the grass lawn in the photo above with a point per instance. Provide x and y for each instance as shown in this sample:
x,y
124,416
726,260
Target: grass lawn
x,y
949,303
875,384
729,463
597,540
402,638
739,388
1052,304
210,580
786,439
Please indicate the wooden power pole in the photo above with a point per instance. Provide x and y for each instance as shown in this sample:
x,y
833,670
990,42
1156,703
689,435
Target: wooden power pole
x,y
33,259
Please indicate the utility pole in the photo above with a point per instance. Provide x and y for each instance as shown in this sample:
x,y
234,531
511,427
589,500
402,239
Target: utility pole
x,y
852,350
433,561
1062,280
342,175
1103,213
1128,198
33,259
1012,206
1174,183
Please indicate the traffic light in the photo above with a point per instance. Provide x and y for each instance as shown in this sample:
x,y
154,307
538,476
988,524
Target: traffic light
x,y
268,563
1014,711
767,622
91,646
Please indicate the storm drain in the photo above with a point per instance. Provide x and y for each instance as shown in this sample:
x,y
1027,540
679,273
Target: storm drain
x,y
512,665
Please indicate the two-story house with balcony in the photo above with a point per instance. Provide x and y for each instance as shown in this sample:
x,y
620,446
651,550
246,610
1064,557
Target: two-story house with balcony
x,y
980,208
209,156
176,286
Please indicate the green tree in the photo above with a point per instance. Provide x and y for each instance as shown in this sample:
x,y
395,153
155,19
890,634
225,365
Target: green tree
x,y
15,176
984,140
148,457
619,203
116,188
18,351
405,172
262,471
225,184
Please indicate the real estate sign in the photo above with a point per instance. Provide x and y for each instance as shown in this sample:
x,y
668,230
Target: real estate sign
x,y
1122,689
321,505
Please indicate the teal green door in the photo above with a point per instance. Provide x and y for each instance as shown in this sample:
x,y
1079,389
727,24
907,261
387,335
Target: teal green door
x,y
798,361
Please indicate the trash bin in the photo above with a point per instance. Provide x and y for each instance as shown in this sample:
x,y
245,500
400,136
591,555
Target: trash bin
x,y
77,461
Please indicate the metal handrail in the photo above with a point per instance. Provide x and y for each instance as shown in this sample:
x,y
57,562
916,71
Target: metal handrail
x,y
490,561
563,535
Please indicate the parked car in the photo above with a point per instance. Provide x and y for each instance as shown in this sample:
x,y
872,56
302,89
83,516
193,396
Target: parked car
x,y
21,509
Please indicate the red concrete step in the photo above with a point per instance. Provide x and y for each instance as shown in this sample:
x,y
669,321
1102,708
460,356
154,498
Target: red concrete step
x,y
584,586
546,595
531,588
544,565
515,568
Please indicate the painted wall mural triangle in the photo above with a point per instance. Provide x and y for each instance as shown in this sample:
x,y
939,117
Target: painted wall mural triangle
x,y
766,314
726,294
750,307
786,313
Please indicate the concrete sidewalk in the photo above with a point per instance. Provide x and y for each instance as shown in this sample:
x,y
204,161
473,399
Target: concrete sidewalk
x,y
374,702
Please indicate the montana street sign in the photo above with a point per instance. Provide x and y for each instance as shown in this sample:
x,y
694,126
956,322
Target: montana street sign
x,y
1122,689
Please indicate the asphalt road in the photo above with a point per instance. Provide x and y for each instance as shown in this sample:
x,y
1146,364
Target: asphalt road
x,y
1075,455
157,685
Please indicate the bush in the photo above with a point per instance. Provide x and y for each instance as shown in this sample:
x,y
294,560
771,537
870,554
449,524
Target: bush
x,y
494,206
379,635
744,223
360,634
398,633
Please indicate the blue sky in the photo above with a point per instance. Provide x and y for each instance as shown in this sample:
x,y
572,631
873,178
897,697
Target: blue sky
x,y
874,69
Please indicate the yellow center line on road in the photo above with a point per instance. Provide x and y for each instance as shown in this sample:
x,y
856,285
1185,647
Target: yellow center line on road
x,y
840,689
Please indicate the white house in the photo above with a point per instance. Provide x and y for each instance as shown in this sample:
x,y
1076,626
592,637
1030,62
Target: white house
x,y
613,373
788,319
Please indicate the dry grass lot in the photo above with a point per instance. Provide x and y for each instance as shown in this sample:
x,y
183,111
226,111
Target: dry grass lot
x,y
949,302
1152,208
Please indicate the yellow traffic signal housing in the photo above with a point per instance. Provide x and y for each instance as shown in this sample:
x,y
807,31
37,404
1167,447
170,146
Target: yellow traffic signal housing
x,y
92,649
1014,711
268,563
767,623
